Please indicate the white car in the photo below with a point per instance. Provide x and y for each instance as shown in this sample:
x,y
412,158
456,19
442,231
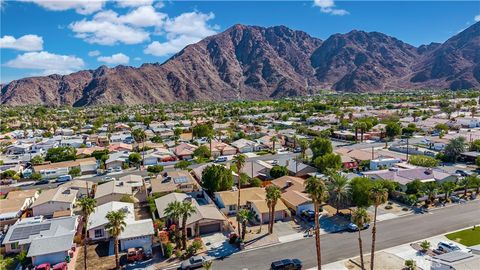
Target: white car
x,y
220,159
447,246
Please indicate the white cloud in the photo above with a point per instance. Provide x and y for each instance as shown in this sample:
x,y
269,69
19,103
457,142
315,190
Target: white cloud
x,y
83,7
115,59
23,43
108,28
94,53
49,63
328,6
181,31
133,3
477,18
137,59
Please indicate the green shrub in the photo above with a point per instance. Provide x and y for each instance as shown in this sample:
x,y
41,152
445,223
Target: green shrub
x,y
168,250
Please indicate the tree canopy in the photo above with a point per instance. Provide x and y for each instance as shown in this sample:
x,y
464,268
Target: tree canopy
x,y
217,178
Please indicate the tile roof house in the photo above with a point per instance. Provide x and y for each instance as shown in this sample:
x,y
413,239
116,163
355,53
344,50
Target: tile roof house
x,y
246,146
184,150
112,191
405,176
221,148
44,240
250,198
175,180
55,200
82,186
293,193
206,219
137,233
12,207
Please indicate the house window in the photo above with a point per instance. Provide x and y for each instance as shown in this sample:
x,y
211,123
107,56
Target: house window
x,y
14,245
232,207
98,233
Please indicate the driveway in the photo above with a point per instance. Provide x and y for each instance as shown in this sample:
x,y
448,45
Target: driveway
x,y
217,245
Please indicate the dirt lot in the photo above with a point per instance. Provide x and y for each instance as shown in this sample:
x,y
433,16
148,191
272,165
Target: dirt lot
x,y
97,257
383,261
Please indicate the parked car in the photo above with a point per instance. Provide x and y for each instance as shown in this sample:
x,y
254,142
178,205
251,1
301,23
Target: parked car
x,y
220,159
60,266
43,266
286,264
109,170
308,215
64,178
463,173
193,262
454,198
42,182
135,254
353,227
148,254
447,246
108,178
297,150
117,169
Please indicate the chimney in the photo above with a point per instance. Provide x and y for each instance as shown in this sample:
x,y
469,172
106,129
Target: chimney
x,y
288,184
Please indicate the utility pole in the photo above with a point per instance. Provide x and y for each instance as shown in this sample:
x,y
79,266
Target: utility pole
x,y
407,149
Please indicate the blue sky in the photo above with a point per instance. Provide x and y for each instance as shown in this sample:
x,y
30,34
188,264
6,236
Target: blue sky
x,y
44,37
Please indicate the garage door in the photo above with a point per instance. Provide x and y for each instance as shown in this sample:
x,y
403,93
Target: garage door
x,y
145,242
205,229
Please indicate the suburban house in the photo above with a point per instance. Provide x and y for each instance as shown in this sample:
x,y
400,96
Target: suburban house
x,y
465,122
184,150
257,168
376,164
83,187
137,233
175,180
405,176
112,191
117,159
17,201
19,149
296,168
53,170
157,156
207,218
119,147
44,240
221,149
250,198
135,181
293,194
57,201
246,146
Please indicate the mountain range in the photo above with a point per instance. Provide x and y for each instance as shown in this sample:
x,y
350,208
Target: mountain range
x,y
252,62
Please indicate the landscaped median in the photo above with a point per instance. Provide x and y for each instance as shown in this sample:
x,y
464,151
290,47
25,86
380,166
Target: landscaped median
x,y
468,237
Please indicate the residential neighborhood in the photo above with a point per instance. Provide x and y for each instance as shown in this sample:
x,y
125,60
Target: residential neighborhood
x,y
169,188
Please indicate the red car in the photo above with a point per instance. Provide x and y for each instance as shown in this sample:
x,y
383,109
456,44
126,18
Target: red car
x,y
135,254
43,266
60,266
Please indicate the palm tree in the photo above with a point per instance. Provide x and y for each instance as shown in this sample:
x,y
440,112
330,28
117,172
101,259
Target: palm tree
x,y
430,189
318,193
210,136
239,161
339,189
378,195
207,265
273,140
88,207
273,195
474,182
363,127
115,226
447,188
473,111
303,143
173,213
360,218
186,211
244,216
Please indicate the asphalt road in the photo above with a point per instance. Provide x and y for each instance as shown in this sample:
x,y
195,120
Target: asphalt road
x,y
344,245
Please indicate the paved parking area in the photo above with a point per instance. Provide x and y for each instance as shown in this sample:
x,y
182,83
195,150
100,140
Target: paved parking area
x,y
217,245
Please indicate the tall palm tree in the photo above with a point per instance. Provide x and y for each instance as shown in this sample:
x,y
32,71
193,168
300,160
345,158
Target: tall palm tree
x,y
355,128
303,143
273,140
115,226
88,207
378,195
239,161
273,195
360,218
339,189
430,189
363,127
244,216
319,194
173,213
447,188
186,211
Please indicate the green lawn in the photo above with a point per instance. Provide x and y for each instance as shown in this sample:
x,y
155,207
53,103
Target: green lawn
x,y
468,237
